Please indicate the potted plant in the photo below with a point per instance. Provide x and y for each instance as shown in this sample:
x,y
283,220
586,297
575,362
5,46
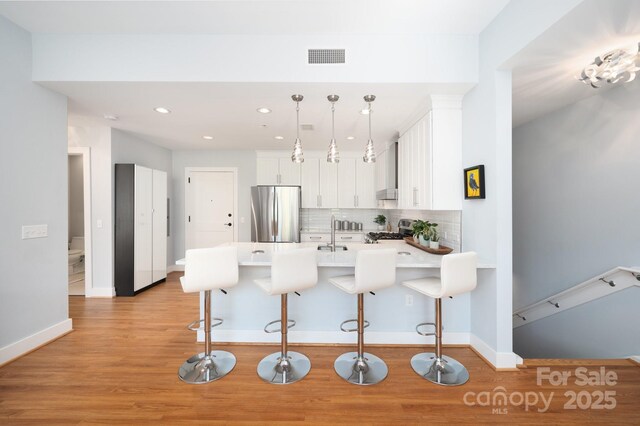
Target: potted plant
x,y
434,239
425,237
417,228
380,220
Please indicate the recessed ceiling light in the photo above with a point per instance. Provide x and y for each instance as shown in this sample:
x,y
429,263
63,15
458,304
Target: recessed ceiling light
x,y
162,110
263,110
350,138
364,111
111,117
209,138
279,137
264,126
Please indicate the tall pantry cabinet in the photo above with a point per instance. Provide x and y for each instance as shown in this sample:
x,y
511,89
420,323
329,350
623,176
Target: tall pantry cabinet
x,y
140,228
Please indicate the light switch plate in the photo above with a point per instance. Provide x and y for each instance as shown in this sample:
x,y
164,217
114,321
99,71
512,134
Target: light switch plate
x,y
34,231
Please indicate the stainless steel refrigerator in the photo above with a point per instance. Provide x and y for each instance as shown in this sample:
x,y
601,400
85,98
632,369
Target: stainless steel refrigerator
x,y
275,214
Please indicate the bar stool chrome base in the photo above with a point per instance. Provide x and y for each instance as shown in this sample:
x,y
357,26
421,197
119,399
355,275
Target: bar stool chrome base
x,y
367,370
446,371
282,371
200,369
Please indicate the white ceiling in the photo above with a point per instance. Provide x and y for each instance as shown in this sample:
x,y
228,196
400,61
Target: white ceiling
x,y
544,72
254,16
227,111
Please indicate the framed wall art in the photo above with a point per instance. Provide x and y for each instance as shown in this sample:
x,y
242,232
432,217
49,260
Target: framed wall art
x,y
474,183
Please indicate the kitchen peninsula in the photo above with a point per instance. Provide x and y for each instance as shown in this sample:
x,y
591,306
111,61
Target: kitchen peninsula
x,y
393,313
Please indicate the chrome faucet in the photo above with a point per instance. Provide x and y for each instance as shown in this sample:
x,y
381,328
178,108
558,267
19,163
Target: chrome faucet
x,y
332,244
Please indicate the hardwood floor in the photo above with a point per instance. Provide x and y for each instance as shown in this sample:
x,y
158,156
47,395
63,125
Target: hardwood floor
x,y
120,366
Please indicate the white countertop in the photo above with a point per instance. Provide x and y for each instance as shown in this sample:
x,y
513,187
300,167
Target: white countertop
x,y
415,258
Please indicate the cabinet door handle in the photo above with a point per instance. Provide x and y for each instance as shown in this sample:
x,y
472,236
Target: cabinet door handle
x,y
315,238
320,200
415,196
355,201
228,224
279,178
346,238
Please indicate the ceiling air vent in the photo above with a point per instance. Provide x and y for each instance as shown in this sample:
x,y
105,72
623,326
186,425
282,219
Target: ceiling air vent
x,y
306,126
326,56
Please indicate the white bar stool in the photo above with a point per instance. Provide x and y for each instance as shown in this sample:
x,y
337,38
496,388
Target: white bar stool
x,y
375,270
457,276
291,271
205,270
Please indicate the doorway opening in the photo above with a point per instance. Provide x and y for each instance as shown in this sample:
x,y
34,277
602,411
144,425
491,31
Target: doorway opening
x,y
79,217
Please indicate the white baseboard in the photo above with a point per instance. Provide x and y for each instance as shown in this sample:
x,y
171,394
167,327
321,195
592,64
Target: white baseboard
x,y
101,292
26,345
330,337
497,359
175,268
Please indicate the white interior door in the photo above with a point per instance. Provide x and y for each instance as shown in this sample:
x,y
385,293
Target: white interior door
x,y
210,208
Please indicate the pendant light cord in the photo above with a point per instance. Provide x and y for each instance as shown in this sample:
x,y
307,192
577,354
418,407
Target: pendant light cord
x,y
298,120
370,112
333,121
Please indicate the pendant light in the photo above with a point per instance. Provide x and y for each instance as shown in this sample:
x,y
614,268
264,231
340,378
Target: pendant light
x,y
297,156
369,153
333,156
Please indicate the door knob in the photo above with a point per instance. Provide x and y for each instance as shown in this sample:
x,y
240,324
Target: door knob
x,y
229,224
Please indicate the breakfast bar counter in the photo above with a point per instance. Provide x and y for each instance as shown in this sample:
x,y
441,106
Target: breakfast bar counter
x,y
392,312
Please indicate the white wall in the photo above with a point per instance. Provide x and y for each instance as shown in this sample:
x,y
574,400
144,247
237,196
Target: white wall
x,y
76,197
33,190
128,148
98,139
486,130
245,161
576,208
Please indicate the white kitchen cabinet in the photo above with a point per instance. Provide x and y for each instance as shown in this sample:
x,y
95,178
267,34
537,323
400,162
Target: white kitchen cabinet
x,y
365,185
277,171
430,160
319,184
356,184
382,178
347,183
140,228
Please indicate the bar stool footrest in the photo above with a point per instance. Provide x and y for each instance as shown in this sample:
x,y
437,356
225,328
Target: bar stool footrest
x,y
424,324
290,323
350,330
197,324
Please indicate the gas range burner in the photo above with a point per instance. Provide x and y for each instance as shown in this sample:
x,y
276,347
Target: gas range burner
x,y
378,236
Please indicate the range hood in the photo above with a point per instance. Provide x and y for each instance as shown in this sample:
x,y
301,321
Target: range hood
x,y
391,173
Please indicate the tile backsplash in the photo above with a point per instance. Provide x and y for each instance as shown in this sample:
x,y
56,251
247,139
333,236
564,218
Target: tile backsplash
x,y
449,221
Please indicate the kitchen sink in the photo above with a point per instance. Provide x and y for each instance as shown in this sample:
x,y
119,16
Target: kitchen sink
x,y
328,248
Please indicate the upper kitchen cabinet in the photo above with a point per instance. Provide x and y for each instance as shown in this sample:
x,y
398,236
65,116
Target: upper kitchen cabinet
x,y
319,183
275,168
356,183
430,158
